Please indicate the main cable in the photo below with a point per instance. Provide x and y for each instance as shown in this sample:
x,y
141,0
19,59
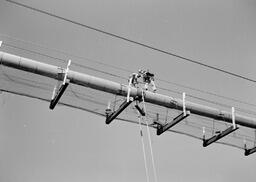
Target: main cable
x,y
118,68
133,41
124,78
62,60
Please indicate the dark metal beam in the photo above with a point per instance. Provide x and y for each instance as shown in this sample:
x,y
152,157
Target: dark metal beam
x,y
215,138
57,97
141,111
114,114
161,129
249,151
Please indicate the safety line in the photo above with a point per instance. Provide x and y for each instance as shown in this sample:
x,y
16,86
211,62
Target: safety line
x,y
143,148
149,139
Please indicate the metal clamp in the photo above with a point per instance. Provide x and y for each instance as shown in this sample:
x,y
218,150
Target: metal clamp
x,y
110,116
249,151
179,118
222,134
57,94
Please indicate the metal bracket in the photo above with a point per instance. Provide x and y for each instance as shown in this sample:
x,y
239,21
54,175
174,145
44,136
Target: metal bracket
x,y
184,103
66,72
156,122
249,151
233,117
203,133
222,134
56,96
112,115
163,128
141,110
183,115
215,138
129,90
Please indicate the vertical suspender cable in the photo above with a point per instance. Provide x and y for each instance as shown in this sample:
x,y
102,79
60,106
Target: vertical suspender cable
x,y
150,141
143,148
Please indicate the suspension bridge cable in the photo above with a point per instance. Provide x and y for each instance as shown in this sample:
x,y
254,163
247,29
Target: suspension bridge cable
x,y
63,60
126,70
124,78
119,68
133,41
210,101
206,92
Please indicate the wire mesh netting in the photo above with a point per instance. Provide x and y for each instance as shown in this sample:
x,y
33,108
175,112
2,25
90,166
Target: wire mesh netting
x,y
90,100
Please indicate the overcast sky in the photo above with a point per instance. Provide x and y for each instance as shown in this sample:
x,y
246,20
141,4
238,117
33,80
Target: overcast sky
x,y
70,145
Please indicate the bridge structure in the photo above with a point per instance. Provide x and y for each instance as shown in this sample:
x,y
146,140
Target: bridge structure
x,y
186,108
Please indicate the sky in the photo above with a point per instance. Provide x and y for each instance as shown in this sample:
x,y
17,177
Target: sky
x,y
37,144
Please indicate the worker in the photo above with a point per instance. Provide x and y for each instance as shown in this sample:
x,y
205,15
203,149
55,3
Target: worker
x,y
133,79
148,79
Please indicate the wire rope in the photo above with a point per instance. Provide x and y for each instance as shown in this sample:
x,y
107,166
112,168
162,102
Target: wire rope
x,y
149,139
151,47
143,147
